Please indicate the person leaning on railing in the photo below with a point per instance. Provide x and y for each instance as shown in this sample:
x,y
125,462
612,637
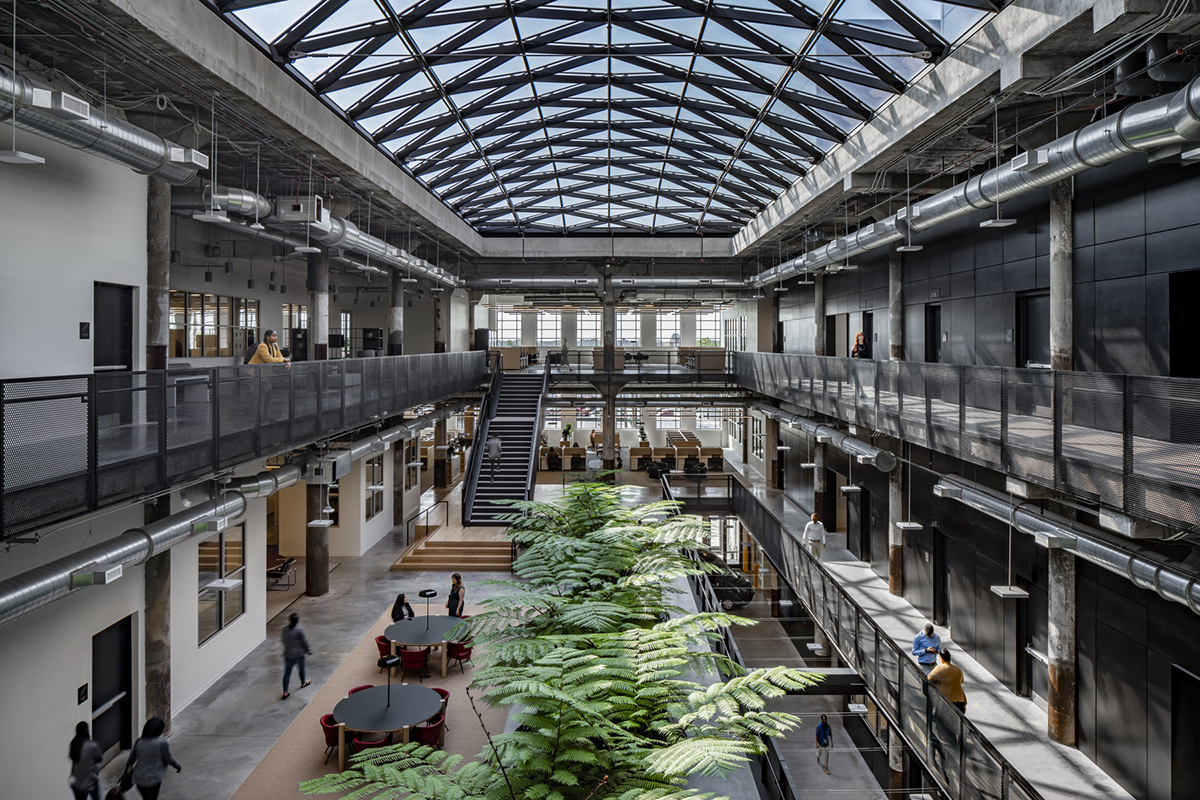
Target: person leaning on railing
x,y
268,352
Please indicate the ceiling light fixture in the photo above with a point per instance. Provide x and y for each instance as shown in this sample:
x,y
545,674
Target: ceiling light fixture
x,y
15,156
998,222
908,216
308,249
213,214
256,225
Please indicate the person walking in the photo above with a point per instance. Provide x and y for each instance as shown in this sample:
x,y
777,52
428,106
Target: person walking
x,y
824,739
149,759
458,596
494,450
925,647
949,679
85,757
400,607
814,537
295,648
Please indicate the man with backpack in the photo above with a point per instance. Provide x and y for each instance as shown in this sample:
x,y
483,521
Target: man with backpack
x,y
824,739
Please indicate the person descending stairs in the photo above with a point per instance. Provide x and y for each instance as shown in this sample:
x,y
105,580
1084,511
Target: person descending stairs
x,y
514,424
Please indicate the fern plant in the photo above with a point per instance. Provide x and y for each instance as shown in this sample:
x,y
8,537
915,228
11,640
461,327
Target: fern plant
x,y
595,664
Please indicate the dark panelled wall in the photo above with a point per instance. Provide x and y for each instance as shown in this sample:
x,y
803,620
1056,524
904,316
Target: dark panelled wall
x,y
1134,224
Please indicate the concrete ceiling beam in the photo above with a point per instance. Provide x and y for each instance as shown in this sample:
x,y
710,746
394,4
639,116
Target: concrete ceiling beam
x,y
876,183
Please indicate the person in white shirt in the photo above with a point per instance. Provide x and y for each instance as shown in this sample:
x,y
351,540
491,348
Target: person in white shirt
x,y
494,451
814,537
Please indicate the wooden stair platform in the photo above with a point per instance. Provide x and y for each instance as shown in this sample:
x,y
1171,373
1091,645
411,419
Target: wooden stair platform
x,y
449,556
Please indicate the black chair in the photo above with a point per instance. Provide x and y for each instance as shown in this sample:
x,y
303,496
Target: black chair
x,y
282,576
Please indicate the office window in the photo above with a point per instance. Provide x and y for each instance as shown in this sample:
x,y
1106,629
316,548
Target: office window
x,y
220,558
552,420
412,464
667,419
627,417
373,472
208,325
667,329
294,316
708,329
587,419
508,329
588,330
629,330
344,330
549,329
745,343
757,437
708,419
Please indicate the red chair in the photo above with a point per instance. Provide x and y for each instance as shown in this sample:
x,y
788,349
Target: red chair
x,y
360,745
415,660
459,652
360,688
385,647
330,729
431,734
445,695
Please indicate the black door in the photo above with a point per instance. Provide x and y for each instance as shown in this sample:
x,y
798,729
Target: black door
x,y
868,330
112,687
1034,327
1184,354
1185,735
112,351
933,333
858,524
941,580
831,339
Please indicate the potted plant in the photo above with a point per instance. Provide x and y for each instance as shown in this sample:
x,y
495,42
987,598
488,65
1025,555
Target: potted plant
x,y
567,432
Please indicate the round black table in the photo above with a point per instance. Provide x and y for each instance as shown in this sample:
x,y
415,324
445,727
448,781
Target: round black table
x,y
414,633
368,712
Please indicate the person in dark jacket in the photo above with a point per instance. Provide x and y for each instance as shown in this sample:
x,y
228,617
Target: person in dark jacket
x,y
149,759
85,757
861,348
295,648
401,608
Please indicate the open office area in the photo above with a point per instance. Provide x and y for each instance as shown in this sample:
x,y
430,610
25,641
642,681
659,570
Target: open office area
x,y
316,307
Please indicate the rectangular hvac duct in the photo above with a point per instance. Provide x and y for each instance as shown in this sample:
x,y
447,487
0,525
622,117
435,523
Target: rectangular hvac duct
x,y
61,104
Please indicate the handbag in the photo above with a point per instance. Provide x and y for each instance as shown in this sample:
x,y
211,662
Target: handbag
x,y
114,793
126,782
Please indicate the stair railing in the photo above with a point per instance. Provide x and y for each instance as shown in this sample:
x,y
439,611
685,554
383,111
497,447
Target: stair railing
x,y
537,433
487,410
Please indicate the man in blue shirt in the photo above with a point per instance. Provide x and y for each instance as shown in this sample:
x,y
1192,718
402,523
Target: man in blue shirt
x,y
824,739
926,645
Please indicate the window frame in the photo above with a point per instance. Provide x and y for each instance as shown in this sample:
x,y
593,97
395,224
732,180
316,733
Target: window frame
x,y
507,321
589,323
221,598
667,329
373,475
549,322
626,323
708,329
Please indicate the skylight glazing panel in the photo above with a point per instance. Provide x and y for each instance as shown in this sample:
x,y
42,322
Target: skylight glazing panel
x,y
354,14
272,20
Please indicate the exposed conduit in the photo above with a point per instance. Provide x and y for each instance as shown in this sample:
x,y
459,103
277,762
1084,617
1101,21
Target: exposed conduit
x,y
1167,120
1088,543
100,134
882,460
517,283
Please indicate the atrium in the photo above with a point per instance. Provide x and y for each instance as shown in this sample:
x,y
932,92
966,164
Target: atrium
x,y
276,271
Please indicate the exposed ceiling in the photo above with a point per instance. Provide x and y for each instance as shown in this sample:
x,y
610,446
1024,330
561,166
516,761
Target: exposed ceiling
x,y
649,117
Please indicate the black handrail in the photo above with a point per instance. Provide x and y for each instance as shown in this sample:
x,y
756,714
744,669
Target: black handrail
x,y
537,432
487,410
425,513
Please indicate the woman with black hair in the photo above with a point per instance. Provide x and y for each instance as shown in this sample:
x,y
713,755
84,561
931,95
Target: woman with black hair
x,y
458,596
85,757
268,352
149,759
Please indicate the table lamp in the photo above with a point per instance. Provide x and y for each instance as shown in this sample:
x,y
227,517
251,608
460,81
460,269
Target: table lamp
x,y
427,593
389,663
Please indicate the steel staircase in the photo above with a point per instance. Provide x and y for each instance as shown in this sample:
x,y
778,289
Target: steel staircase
x,y
513,411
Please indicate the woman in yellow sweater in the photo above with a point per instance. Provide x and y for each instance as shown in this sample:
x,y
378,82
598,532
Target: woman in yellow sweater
x,y
949,679
268,352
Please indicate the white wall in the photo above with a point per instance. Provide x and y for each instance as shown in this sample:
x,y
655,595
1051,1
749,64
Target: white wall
x,y
354,534
460,322
64,225
194,666
46,656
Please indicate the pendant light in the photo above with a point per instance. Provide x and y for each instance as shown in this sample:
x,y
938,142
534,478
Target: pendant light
x,y
909,524
15,156
307,249
1010,591
998,222
908,246
213,214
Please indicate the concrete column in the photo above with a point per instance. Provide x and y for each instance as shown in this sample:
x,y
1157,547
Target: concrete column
x,y
398,472
895,304
1062,276
441,323
395,317
897,513
818,454
316,544
819,315
608,453
318,305
158,620
441,468
770,453
608,321
895,751
1060,710
158,274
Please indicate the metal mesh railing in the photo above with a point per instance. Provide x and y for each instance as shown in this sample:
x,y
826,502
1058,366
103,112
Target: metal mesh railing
x,y
1130,442
75,444
964,763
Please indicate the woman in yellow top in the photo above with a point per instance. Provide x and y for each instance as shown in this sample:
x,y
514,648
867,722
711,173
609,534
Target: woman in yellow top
x,y
268,352
949,679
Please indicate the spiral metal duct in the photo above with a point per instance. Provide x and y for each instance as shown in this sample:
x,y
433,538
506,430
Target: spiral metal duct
x,y
1089,544
100,134
518,283
1167,120
43,585
235,201
883,460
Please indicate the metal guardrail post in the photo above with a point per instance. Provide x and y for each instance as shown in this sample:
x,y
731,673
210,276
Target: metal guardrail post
x,y
1126,441
93,438
214,394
